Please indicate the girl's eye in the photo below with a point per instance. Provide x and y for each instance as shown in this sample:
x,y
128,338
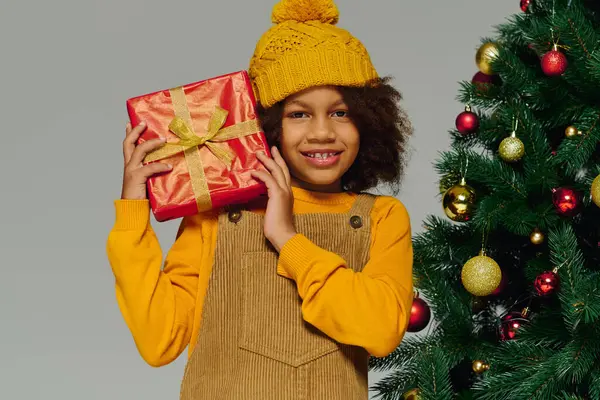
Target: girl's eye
x,y
341,114
297,114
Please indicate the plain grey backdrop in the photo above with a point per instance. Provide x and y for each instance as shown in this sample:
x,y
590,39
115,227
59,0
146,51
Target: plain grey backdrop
x,y
67,68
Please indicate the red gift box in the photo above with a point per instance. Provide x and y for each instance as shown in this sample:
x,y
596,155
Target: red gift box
x,y
212,134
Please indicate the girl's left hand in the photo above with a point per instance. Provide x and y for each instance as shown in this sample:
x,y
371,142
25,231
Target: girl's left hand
x,y
279,220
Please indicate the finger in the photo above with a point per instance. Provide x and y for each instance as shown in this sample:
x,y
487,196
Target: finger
x,y
281,162
268,180
141,150
131,137
154,168
273,168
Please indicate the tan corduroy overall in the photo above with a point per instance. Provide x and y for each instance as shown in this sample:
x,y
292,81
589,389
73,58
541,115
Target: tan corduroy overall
x,y
253,343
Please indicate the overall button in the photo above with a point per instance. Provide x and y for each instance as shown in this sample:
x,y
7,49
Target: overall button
x,y
235,216
356,222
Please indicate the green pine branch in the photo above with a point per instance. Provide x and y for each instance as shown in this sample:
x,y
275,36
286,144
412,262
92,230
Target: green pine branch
x,y
576,359
443,246
582,39
393,385
567,257
576,152
434,376
515,30
535,382
547,363
404,355
593,65
595,382
493,174
569,396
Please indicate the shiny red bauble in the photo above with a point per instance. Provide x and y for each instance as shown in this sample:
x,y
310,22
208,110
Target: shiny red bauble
x,y
546,283
467,122
566,201
420,314
511,323
480,77
482,81
525,5
554,63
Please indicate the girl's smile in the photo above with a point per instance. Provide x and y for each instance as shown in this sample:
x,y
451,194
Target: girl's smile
x,y
322,157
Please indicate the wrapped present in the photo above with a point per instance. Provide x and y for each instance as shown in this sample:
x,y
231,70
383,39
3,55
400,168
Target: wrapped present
x,y
212,134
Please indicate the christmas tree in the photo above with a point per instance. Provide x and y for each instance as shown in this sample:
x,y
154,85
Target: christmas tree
x,y
510,275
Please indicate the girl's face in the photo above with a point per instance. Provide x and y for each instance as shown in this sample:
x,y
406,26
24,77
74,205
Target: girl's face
x,y
319,142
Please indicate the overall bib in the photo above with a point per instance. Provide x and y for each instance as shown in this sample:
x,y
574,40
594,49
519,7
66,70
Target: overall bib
x,y
253,343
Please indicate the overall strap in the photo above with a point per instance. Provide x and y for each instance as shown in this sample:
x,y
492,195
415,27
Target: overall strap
x,y
361,209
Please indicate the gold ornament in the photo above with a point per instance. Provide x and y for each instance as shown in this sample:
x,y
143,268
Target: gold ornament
x,y
459,202
412,394
485,55
596,191
480,366
572,131
536,237
511,148
481,275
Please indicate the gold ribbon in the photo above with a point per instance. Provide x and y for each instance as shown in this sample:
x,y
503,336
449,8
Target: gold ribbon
x,y
189,143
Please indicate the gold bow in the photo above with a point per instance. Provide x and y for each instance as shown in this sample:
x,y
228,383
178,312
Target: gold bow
x,y
214,133
189,143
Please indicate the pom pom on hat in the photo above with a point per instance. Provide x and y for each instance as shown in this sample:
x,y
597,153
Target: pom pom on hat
x,y
324,11
304,49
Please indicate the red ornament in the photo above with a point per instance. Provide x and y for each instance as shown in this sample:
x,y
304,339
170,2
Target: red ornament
x,y
467,121
546,283
420,314
525,5
511,323
482,81
566,201
554,63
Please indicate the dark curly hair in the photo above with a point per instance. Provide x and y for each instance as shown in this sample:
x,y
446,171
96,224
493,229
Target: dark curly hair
x,y
384,130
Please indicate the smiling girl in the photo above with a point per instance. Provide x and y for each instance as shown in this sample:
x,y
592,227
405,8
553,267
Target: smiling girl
x,y
287,297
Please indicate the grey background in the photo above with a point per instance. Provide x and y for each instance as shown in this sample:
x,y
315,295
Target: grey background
x,y
67,68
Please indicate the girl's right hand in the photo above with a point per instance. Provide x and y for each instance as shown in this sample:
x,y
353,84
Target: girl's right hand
x,y
136,174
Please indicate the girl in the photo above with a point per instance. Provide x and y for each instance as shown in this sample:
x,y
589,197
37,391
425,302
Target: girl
x,y
295,316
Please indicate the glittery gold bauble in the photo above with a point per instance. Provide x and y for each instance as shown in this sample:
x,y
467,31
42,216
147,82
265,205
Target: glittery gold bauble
x,y
511,149
536,237
484,57
412,394
572,131
481,275
480,366
596,191
459,202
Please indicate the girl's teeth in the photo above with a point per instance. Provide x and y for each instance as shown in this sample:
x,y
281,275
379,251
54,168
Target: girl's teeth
x,y
321,155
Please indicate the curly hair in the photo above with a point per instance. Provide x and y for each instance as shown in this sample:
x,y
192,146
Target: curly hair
x,y
383,126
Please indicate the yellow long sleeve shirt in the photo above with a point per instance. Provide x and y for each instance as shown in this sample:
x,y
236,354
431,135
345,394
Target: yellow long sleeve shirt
x,y
162,305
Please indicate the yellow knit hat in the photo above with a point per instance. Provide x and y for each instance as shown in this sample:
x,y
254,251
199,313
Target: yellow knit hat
x,y
306,49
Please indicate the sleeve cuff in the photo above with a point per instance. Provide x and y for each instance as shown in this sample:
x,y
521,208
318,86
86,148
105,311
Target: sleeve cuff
x,y
131,214
298,254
